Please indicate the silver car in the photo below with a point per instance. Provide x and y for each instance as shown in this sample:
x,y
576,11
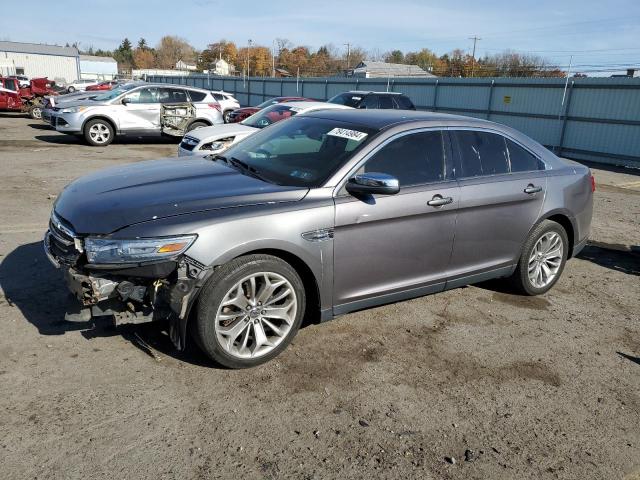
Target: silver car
x,y
137,110
315,217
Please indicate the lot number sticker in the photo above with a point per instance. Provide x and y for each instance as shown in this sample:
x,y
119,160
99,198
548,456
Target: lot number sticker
x,y
348,134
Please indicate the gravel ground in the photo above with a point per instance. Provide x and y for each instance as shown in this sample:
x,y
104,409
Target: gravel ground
x,y
473,383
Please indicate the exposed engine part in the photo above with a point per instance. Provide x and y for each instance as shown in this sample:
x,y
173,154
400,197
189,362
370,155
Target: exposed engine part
x,y
89,290
128,290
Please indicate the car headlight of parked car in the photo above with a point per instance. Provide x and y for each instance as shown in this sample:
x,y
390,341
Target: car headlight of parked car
x,y
103,250
73,109
213,146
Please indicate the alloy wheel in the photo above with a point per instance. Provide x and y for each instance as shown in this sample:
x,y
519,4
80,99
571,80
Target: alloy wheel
x,y
545,259
256,315
99,133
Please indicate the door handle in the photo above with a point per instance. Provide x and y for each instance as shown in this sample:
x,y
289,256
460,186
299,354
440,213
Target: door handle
x,y
531,189
439,201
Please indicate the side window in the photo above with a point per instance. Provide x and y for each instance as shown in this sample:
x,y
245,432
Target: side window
x,y
403,103
482,153
173,95
370,101
385,102
217,96
143,95
521,160
413,159
196,96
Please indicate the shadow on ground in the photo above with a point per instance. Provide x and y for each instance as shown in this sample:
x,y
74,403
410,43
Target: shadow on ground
x,y
622,258
31,284
63,139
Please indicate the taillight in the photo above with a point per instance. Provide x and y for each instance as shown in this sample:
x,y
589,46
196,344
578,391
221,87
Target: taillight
x,y
214,105
593,183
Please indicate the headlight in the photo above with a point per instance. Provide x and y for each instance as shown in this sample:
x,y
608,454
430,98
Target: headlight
x,y
212,146
73,109
102,250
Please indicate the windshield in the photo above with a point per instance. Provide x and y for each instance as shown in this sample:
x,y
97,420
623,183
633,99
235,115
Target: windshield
x,y
301,152
269,115
348,99
111,94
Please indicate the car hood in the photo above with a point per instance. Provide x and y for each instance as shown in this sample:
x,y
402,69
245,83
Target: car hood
x,y
249,110
106,201
220,131
85,102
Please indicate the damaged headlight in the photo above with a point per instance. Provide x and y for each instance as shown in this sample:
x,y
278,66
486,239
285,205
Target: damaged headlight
x,y
103,250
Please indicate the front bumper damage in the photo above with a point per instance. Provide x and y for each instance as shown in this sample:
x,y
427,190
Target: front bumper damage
x,y
129,294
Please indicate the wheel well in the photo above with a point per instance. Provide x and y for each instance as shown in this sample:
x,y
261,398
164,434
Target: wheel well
x,y
99,117
201,120
312,291
568,227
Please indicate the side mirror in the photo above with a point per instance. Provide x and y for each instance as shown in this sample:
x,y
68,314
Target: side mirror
x,y
373,183
126,101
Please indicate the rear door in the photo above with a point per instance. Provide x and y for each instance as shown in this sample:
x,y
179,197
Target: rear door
x,y
498,204
389,245
142,112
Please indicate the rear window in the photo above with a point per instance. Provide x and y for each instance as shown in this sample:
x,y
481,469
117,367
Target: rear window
x,y
196,96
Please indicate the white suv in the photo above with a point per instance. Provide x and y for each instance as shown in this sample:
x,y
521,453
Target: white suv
x,y
137,110
80,85
228,103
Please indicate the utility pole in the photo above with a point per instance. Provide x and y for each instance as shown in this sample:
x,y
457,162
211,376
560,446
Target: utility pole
x,y
348,45
475,39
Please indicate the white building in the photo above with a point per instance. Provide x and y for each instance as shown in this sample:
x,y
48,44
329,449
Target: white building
x,y
34,60
181,65
221,67
100,68
369,69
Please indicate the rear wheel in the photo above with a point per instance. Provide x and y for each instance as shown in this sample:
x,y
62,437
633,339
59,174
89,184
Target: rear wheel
x,y
71,89
195,125
35,112
98,132
543,259
249,311
226,116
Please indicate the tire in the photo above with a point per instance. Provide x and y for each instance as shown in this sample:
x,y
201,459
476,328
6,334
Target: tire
x,y
228,321
226,116
195,125
71,89
546,236
98,132
35,112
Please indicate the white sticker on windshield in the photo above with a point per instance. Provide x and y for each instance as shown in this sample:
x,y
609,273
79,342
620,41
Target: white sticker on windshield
x,y
356,98
349,134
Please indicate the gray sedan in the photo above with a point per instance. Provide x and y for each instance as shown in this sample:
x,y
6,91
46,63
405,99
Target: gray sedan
x,y
317,216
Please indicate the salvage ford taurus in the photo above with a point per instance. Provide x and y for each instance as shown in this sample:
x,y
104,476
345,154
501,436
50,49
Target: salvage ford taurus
x,y
317,216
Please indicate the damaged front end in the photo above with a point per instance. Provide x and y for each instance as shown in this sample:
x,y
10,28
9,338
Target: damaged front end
x,y
133,281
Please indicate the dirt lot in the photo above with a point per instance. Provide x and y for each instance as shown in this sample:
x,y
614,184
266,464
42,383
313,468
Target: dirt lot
x,y
544,387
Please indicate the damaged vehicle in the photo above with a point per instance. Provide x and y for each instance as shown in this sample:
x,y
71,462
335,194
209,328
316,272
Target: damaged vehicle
x,y
136,110
218,138
317,216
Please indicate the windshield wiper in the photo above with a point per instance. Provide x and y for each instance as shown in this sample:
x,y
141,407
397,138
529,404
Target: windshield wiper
x,y
245,167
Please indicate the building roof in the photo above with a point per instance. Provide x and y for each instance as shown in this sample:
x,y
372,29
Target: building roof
x,y
96,58
38,48
384,69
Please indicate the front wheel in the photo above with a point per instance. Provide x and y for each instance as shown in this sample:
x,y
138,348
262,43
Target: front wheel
x,y
35,112
249,311
98,133
543,259
71,89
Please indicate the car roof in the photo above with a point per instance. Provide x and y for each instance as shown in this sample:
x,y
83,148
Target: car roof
x,y
366,92
380,119
304,106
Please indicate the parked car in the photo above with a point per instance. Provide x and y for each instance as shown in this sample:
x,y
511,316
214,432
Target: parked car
x,y
49,103
108,85
134,109
317,216
22,80
227,102
14,97
245,112
218,138
383,100
80,85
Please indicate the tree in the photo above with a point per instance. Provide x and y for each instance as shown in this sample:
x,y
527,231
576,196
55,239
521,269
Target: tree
x,y
144,58
124,55
172,49
142,44
425,59
221,49
394,56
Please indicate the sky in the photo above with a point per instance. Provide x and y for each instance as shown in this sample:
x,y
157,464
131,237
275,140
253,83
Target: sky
x,y
599,35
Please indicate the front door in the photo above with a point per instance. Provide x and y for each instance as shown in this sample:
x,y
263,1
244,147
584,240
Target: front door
x,y
141,112
397,246
502,188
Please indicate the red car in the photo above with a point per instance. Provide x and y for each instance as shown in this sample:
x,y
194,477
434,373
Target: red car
x,y
29,99
102,86
242,113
